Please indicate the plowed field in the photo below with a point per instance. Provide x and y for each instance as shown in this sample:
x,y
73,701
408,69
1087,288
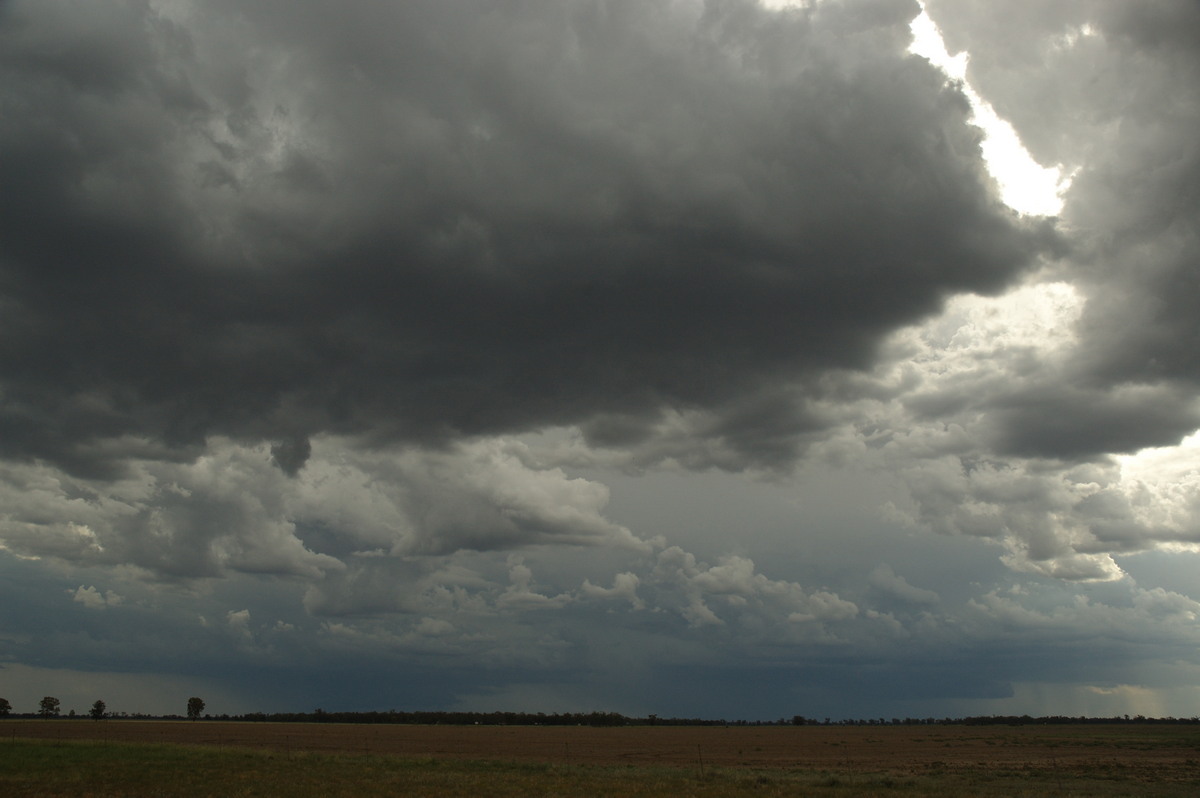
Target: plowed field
x,y
1159,752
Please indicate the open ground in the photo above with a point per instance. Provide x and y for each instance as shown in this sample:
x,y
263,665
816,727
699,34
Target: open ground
x,y
1141,753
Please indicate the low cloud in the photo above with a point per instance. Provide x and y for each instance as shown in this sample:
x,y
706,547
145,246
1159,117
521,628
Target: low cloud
x,y
625,586
733,589
891,584
93,599
232,511
1154,616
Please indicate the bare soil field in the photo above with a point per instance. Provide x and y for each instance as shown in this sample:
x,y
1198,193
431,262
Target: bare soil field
x,y
1154,752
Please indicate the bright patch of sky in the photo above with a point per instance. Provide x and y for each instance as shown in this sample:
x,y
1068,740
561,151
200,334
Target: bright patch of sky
x,y
1161,482
1025,185
973,333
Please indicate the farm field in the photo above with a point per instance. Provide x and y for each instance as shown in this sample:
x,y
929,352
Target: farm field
x,y
262,758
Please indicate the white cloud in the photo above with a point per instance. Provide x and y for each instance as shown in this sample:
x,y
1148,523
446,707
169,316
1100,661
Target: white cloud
x,y
480,495
520,594
239,621
625,586
92,598
734,589
233,510
943,420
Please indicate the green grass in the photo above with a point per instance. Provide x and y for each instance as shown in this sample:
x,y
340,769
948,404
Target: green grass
x,y
41,768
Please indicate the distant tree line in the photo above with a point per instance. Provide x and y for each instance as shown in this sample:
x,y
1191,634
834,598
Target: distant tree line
x,y
448,718
993,720
50,707
616,719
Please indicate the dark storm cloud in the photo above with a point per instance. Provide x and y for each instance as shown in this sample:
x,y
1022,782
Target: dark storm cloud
x,y
368,354
291,455
1061,421
416,221
1122,109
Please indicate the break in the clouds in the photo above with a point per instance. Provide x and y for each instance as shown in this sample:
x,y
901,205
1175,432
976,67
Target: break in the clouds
x,y
681,357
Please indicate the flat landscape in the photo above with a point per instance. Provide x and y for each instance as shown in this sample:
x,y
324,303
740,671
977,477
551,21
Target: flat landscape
x,y
1158,749
1042,759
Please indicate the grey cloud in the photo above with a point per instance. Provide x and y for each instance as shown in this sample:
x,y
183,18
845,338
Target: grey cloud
x,y
998,431
888,582
1049,414
733,589
1057,521
1111,61
458,638
1153,616
1122,110
279,283
521,593
1015,457
1070,423
1031,510
233,510
625,586
419,221
291,455
672,592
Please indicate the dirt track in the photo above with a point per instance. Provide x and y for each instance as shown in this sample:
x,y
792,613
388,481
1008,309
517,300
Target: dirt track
x,y
1166,751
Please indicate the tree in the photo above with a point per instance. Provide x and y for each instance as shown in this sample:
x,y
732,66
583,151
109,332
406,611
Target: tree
x,y
48,707
195,707
97,712
5,708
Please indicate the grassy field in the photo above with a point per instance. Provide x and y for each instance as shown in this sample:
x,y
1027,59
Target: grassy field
x,y
1127,761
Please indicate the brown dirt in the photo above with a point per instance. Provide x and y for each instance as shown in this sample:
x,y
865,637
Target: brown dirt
x,y
1155,752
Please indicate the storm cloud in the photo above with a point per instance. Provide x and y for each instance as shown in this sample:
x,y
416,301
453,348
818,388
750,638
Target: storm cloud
x,y
275,221
670,356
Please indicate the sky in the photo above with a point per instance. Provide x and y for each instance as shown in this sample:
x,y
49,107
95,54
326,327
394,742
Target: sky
x,y
699,358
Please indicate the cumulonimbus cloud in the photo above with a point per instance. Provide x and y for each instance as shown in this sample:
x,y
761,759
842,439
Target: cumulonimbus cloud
x,y
268,225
